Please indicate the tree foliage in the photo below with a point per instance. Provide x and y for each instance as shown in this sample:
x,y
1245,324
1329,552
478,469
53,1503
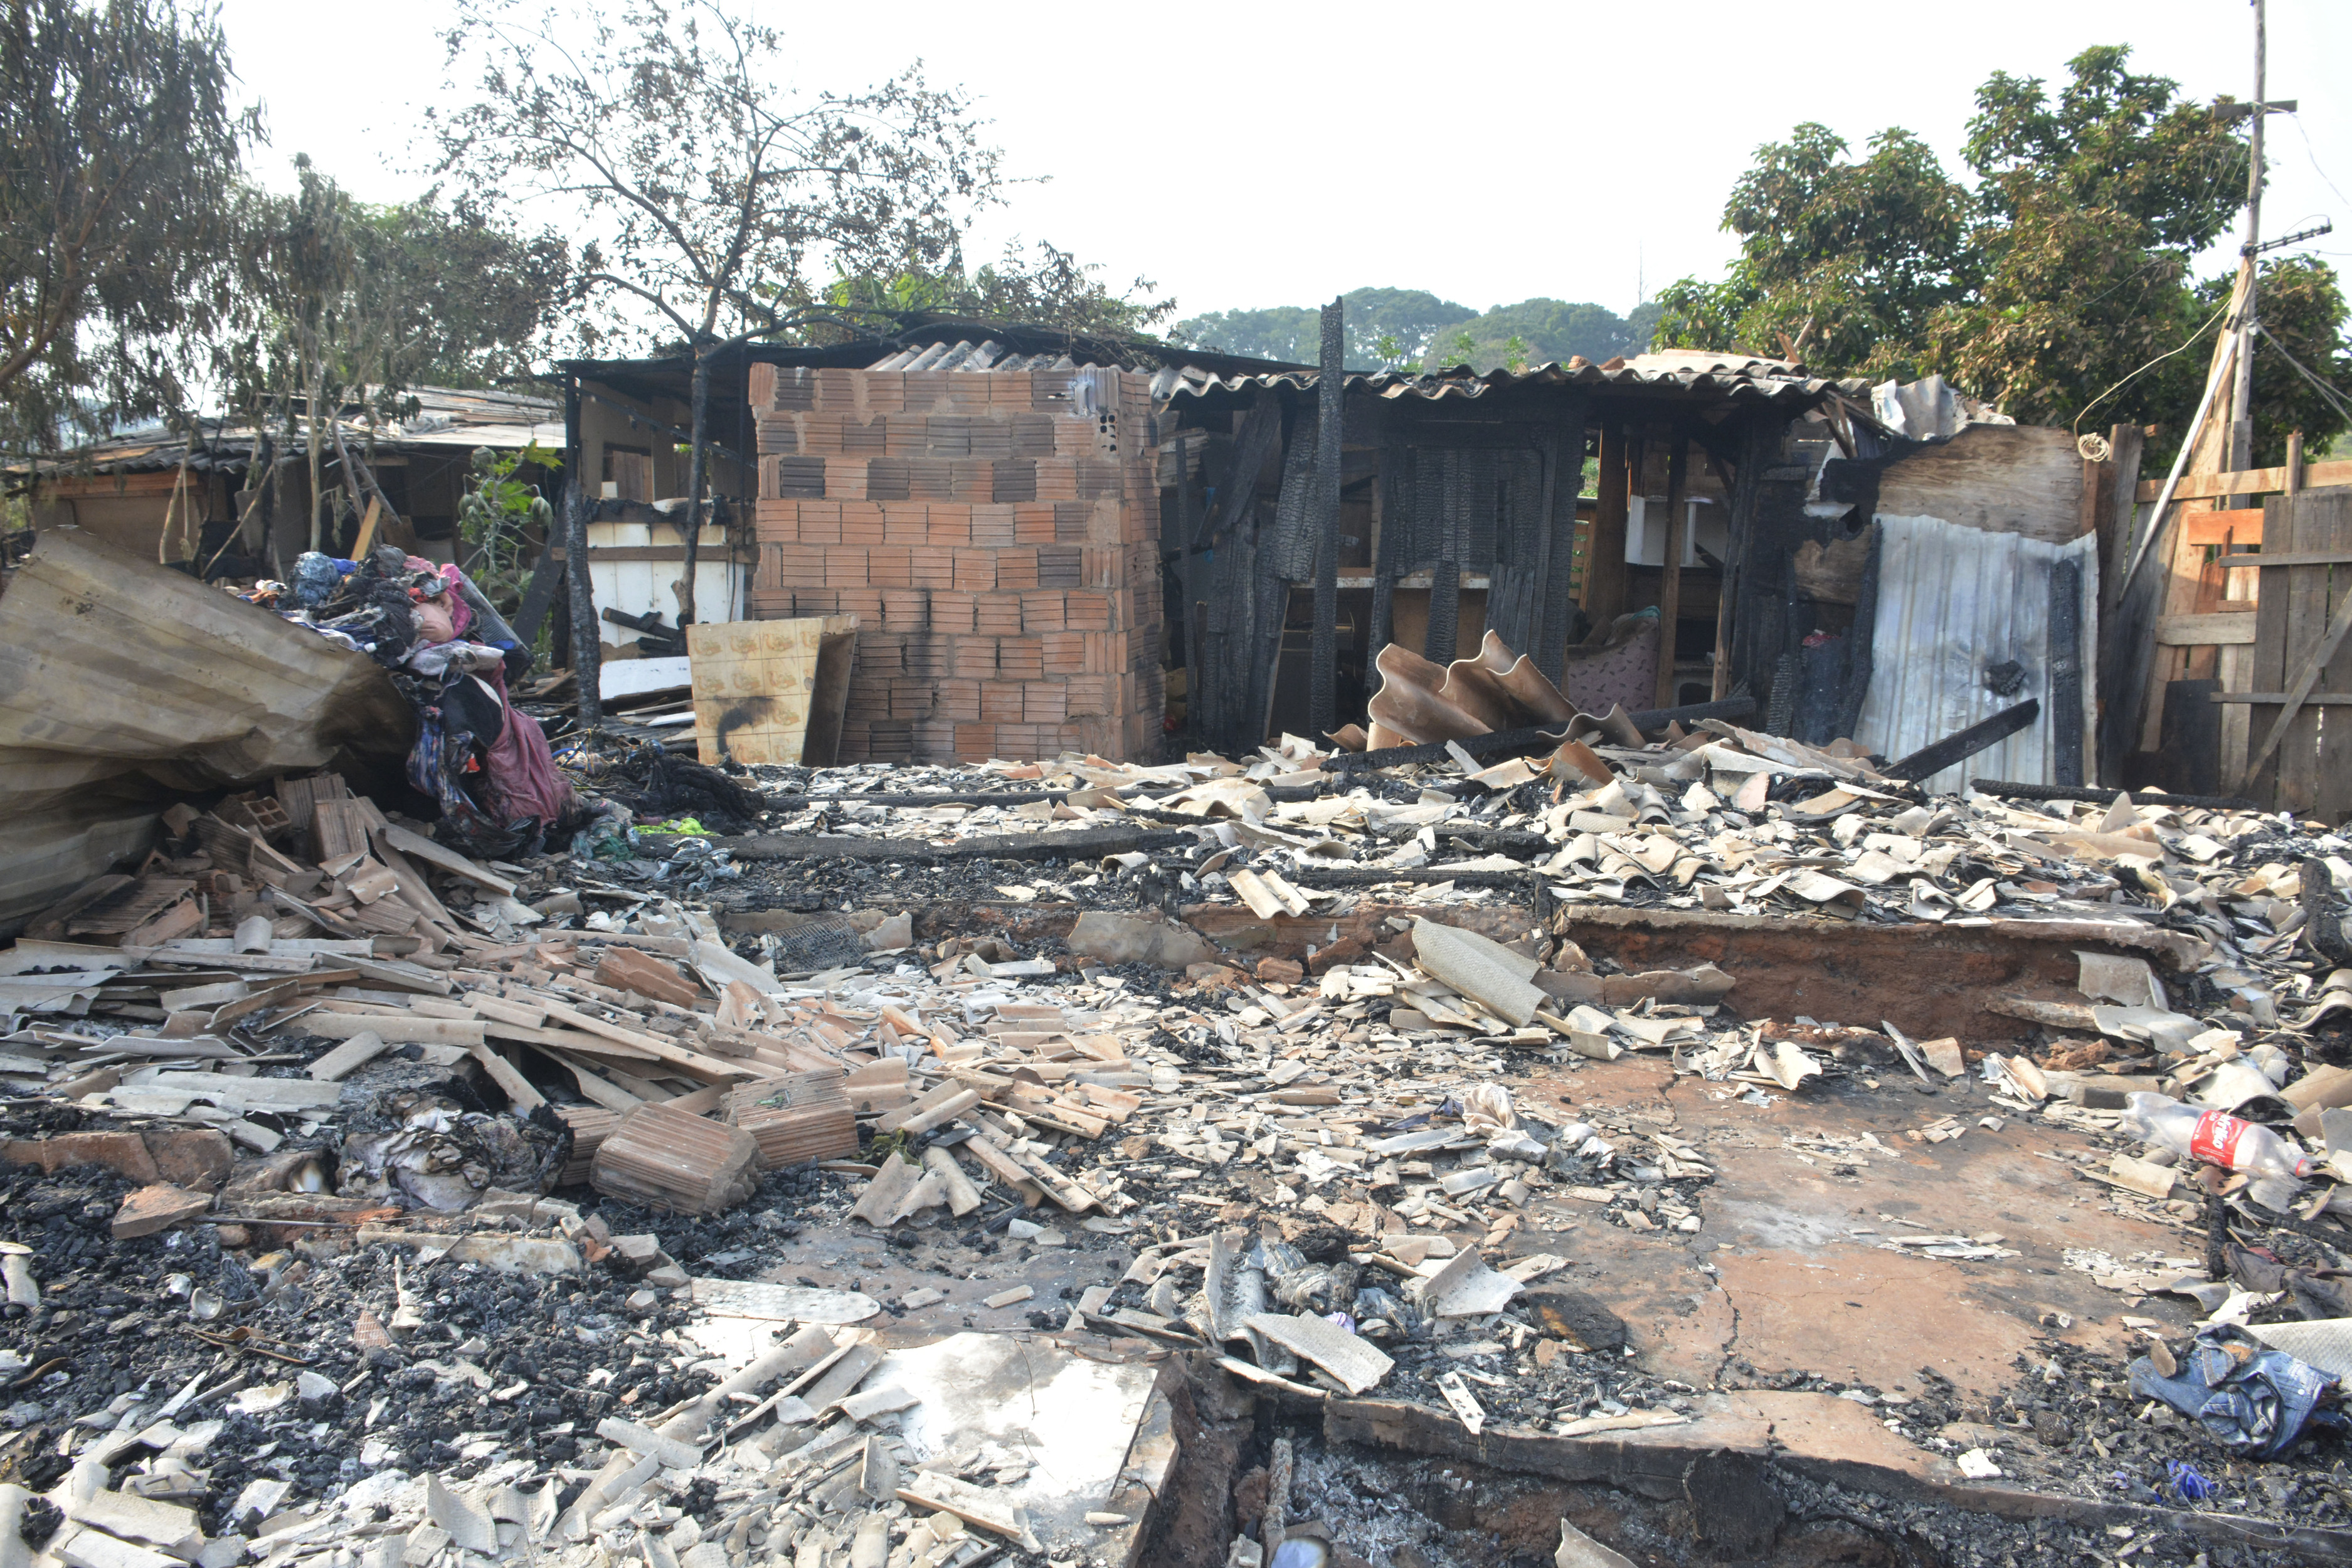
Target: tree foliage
x,y
2060,272
1053,288
1411,328
379,298
721,195
121,153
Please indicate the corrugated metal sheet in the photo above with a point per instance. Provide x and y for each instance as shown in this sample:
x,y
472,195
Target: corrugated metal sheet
x,y
446,418
1672,372
1953,602
121,681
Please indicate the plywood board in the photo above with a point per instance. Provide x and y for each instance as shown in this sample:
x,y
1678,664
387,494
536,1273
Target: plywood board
x,y
2004,479
756,685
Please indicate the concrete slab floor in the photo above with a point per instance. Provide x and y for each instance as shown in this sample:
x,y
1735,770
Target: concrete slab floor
x,y
1788,1271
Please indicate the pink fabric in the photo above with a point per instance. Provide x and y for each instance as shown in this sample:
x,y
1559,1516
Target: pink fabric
x,y
522,776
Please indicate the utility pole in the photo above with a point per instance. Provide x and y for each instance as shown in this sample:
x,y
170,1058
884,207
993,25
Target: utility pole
x,y
2241,423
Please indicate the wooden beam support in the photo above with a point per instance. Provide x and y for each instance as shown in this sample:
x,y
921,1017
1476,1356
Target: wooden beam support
x,y
1670,582
1605,576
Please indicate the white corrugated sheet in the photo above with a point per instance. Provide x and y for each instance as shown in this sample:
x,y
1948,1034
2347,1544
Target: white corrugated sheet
x,y
1953,602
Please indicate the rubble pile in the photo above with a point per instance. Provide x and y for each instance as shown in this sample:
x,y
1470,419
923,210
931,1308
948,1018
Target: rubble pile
x,y
715,1196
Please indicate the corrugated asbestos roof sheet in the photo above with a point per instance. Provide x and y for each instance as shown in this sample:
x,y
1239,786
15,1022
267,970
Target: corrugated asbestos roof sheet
x,y
445,418
1953,603
1673,371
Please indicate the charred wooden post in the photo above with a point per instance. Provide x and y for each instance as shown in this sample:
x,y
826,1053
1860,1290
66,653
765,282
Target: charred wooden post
x,y
1670,580
1331,388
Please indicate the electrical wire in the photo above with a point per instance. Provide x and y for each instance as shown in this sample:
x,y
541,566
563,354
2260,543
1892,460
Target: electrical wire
x,y
2313,154
2078,425
2327,393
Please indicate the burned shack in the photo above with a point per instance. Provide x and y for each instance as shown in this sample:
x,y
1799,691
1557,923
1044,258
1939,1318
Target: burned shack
x,y
235,498
1049,543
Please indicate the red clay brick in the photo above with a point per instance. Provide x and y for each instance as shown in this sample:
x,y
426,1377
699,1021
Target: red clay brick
x,y
953,613
931,567
889,567
1020,658
1040,611
975,570
994,527
1016,569
1000,702
997,615
975,658
1043,703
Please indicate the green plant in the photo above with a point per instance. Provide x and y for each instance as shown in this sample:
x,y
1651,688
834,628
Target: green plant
x,y
1514,353
498,512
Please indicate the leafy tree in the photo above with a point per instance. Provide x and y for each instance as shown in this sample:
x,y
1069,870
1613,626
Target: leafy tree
x,y
2058,286
121,151
1840,263
1055,290
1514,353
2300,303
718,189
1463,347
354,304
497,513
1411,319
2092,204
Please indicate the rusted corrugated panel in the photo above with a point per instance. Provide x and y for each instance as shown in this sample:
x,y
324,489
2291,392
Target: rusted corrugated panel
x,y
1677,371
122,681
1953,603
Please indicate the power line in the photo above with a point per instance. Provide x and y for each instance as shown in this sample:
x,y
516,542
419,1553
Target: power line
x,y
2159,359
2333,398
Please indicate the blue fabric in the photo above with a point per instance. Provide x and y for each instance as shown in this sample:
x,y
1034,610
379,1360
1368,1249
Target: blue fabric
x,y
2250,1399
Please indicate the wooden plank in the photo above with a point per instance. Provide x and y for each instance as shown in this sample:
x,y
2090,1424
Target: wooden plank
x,y
2003,479
400,1029
1605,571
2306,629
2189,760
2243,525
754,683
2324,698
519,1092
2325,522
351,1054
611,1096
2249,560
2268,672
2207,631
1670,583
2252,482
395,837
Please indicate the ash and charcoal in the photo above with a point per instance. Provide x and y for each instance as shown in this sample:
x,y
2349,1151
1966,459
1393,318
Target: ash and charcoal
x,y
1401,1146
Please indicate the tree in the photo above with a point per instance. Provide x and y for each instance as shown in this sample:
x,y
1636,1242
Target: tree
x,y
2059,285
122,150
719,191
1055,290
356,303
2091,205
2300,303
1841,263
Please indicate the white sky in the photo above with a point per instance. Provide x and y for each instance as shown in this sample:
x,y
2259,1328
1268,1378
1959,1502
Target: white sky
x,y
1488,153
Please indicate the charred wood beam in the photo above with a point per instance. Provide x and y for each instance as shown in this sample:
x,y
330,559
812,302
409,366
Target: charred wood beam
x,y
1086,844
1962,744
1331,413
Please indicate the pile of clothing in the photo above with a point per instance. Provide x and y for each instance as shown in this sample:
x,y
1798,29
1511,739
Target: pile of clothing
x,y
483,760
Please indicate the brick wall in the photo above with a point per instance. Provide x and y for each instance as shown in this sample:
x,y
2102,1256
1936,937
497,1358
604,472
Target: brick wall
x,y
999,553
